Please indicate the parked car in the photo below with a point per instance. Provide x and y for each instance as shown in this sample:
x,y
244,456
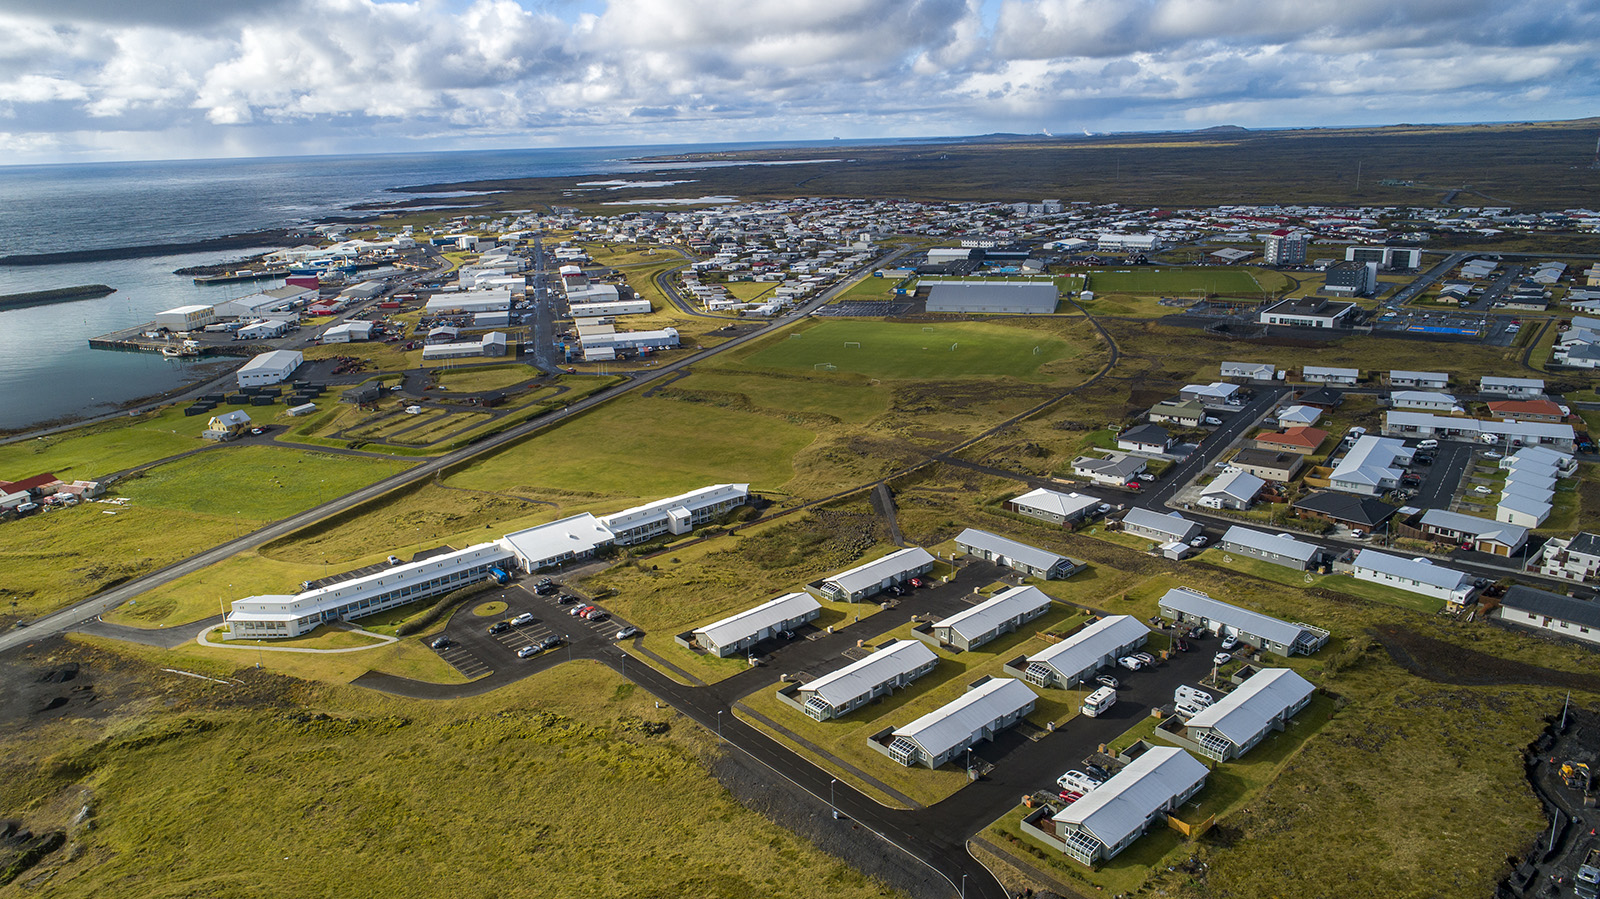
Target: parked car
x,y
544,589
258,431
527,651
1482,490
566,599
394,560
1130,663
576,611
1221,658
1145,657
1134,485
1103,508
1198,541
499,627
918,582
1230,641
439,642
1192,695
1106,680
1210,420
1146,476
1181,645
627,632
525,618
1490,454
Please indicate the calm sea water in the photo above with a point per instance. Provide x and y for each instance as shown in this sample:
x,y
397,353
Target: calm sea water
x,y
47,370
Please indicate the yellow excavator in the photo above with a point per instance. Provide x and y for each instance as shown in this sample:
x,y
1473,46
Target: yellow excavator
x,y
1576,775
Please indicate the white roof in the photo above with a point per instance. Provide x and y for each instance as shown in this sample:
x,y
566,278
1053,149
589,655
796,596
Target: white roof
x,y
277,360
1011,549
1421,572
694,499
1484,528
236,417
1170,523
1217,389
1002,607
1528,383
1263,369
1527,505
1541,429
1049,501
1527,490
1120,807
1534,455
1330,372
1421,398
1418,375
1087,647
1371,461
878,570
1270,543
280,607
955,723
1255,624
752,621
187,310
577,534
1532,470
857,678
1239,484
1304,415
1249,710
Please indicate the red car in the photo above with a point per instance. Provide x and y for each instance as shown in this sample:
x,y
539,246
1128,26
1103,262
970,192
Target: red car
x,y
1134,485
918,582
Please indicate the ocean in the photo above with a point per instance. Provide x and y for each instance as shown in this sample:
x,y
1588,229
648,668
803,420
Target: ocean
x,y
48,372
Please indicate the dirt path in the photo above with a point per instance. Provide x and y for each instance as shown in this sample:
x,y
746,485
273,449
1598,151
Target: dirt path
x,y
1438,660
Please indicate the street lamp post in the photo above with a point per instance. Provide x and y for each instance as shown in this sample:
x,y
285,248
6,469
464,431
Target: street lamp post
x,y
834,808
963,886
719,724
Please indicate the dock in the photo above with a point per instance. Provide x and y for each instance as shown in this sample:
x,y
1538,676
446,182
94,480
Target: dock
x,y
242,275
134,339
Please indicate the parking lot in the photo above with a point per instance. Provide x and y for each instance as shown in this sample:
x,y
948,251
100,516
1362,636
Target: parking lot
x,y
475,652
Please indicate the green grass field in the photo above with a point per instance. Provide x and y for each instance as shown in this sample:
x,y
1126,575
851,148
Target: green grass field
x,y
469,379
1173,280
570,783
645,447
905,351
94,451
258,483
853,401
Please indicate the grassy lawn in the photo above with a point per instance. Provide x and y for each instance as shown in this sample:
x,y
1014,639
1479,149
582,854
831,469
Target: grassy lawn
x,y
94,451
484,377
645,447
891,350
258,483
1174,281
380,356
324,637
392,786
853,401
1383,593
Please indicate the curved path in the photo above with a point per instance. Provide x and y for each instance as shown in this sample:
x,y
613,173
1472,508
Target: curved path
x,y
204,640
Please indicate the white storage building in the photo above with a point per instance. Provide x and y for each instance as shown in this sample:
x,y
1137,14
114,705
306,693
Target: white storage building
x,y
186,318
946,732
269,368
1236,723
737,633
491,344
865,581
496,300
853,686
1015,555
1077,658
345,332
1001,614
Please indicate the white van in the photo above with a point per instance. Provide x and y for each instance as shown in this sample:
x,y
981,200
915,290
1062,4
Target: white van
x,y
1429,444
1188,709
1097,702
1191,695
1077,781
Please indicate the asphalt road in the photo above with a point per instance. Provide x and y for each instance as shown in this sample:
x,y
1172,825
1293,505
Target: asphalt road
x,y
107,600
1449,464
1231,430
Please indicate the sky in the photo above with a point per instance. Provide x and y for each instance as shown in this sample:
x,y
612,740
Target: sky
x,y
87,80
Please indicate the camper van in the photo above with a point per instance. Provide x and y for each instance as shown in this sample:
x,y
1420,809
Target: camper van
x,y
1099,701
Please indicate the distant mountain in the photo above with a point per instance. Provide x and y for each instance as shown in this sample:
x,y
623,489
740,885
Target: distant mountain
x,y
1222,128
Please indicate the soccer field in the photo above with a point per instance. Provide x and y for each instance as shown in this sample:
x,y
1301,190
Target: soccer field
x,y
893,350
1174,281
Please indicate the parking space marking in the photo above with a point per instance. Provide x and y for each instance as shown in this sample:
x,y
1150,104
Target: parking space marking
x,y
465,662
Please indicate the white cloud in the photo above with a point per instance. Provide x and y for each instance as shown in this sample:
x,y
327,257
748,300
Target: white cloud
x,y
194,77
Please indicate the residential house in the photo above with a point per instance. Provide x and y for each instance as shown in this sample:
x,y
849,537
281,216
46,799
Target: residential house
x,y
1418,576
1000,614
1217,393
1426,400
1185,413
1250,371
1108,820
1399,423
1486,536
1325,398
1573,559
1057,508
1077,658
1290,416
1111,472
1419,380
1162,528
895,665
1185,606
1279,549
1550,613
1268,465
866,581
1236,489
1322,374
742,631
940,736
1373,466
1526,410
1296,439
1145,438
1522,510
1008,553
1516,388
1348,510
1239,721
